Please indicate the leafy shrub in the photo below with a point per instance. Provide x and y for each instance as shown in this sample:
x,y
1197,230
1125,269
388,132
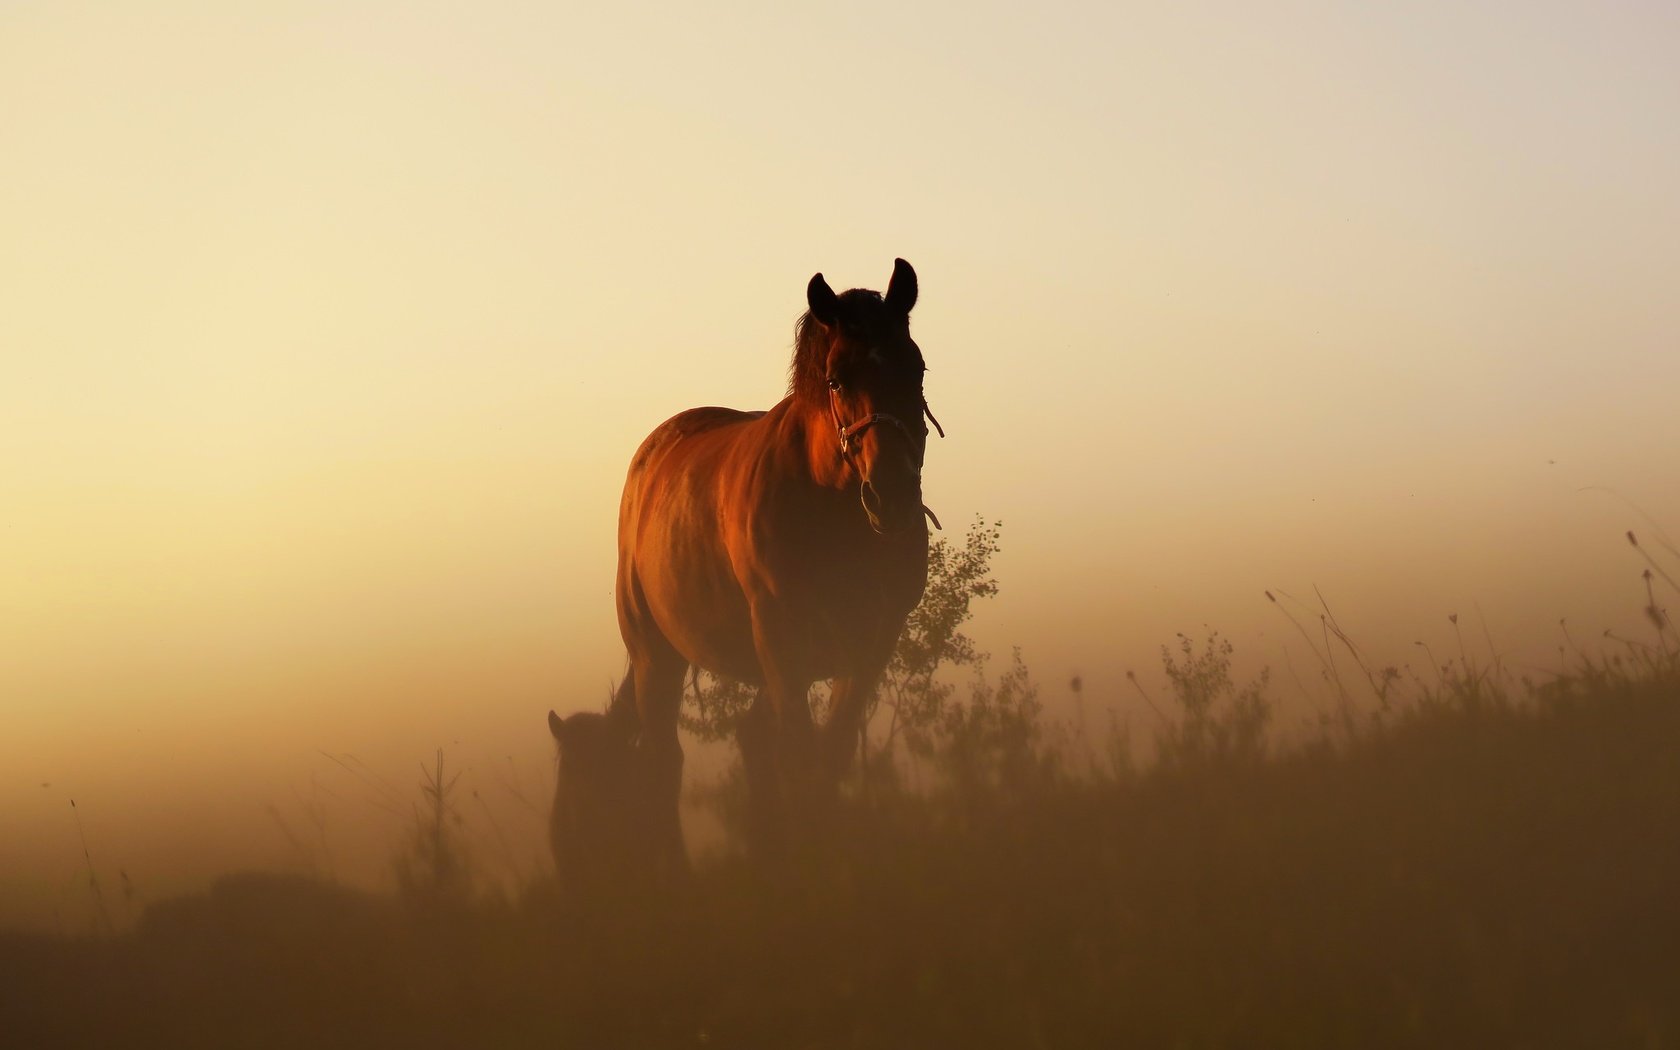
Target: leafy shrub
x,y
1217,721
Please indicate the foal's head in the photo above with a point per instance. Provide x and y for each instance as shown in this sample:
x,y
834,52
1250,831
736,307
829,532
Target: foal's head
x,y
595,824
857,367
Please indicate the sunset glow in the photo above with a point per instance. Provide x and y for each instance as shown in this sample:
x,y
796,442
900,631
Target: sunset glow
x,y
327,334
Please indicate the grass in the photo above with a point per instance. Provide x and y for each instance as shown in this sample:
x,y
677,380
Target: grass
x,y
1480,867
1460,857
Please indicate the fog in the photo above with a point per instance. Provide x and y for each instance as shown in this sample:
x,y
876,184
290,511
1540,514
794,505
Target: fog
x,y
328,335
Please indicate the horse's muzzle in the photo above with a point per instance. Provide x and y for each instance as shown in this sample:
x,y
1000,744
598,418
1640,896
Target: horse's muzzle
x,y
889,517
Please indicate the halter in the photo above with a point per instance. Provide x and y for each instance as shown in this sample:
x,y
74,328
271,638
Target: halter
x,y
849,431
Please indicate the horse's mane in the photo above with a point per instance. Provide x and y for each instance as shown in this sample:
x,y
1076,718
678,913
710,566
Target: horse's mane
x,y
808,375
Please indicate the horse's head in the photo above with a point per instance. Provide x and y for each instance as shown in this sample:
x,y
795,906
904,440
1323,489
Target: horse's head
x,y
857,365
594,827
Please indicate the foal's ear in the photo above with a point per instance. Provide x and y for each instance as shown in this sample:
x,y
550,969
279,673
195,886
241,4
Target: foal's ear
x,y
556,726
825,305
901,291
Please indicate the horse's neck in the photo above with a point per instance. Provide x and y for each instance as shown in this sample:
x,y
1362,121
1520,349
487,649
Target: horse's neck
x,y
812,431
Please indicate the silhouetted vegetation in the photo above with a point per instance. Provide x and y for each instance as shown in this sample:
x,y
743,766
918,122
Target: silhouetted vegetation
x,y
1463,857
433,868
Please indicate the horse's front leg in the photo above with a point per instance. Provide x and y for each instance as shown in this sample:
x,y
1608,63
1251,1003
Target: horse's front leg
x,y
853,696
778,738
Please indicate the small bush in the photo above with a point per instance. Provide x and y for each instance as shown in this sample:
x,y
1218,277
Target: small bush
x,y
1217,721
434,868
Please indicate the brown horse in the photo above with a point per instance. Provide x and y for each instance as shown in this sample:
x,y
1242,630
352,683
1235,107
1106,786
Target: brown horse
x,y
778,548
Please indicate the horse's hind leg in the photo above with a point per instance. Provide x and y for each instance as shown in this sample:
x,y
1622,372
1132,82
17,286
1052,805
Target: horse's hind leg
x,y
658,672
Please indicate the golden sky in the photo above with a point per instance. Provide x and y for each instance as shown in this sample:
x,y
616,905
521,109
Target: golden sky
x,y
328,329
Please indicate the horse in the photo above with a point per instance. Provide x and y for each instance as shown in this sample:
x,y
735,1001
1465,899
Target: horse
x,y
778,548
597,811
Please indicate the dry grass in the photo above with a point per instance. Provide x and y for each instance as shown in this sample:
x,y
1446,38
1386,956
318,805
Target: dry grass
x,y
1480,866
1461,857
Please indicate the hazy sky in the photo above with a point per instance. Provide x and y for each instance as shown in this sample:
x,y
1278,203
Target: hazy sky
x,y
328,330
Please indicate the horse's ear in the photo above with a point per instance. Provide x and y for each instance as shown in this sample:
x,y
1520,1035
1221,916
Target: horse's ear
x,y
901,291
825,305
557,727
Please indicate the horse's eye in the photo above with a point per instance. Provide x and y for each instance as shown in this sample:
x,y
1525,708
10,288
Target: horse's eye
x,y
834,382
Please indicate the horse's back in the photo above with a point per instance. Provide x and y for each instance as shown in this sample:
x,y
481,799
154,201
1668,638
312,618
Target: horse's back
x,y
679,465
676,580
695,422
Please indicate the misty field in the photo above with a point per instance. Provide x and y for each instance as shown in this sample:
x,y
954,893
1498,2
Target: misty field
x,y
1487,863
1456,855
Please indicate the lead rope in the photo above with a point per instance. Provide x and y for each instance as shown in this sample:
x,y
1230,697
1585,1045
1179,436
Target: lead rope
x,y
925,508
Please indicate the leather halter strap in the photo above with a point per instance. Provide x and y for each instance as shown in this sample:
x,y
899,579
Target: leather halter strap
x,y
848,431
852,430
